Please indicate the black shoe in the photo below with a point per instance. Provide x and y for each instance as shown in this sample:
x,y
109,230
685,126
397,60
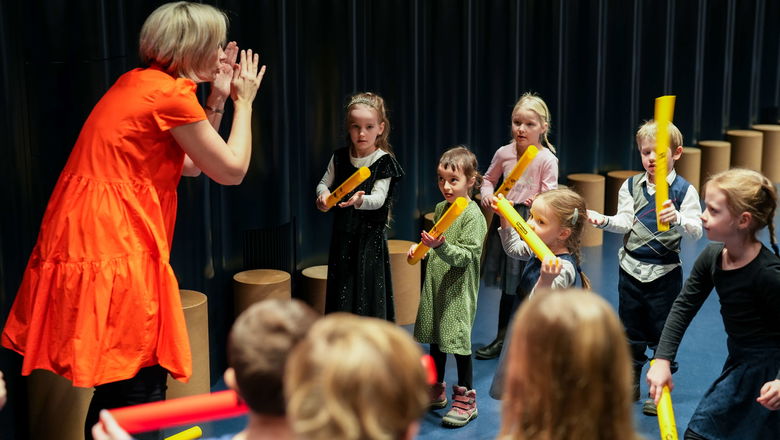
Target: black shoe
x,y
649,408
490,351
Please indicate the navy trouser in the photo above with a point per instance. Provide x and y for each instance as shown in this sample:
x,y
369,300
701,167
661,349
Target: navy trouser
x,y
643,308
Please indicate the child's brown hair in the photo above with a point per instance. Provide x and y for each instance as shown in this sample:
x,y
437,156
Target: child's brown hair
x,y
460,158
375,102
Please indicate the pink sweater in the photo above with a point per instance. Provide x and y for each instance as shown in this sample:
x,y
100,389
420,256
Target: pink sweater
x,y
540,176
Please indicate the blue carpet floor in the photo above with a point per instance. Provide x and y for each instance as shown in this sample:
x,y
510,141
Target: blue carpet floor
x,y
701,354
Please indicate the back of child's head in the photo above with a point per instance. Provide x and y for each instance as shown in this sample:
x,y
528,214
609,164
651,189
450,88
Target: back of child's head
x,y
535,103
259,343
460,158
648,131
355,378
571,211
569,371
376,103
748,191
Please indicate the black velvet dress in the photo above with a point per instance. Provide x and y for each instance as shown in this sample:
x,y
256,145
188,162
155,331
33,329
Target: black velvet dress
x,y
359,263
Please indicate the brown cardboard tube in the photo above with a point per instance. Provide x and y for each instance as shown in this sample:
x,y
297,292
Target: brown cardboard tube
x,y
315,282
715,157
591,187
251,286
614,181
689,166
196,314
746,148
770,155
406,282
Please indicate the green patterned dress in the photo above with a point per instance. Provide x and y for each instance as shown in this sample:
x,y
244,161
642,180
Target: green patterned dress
x,y
448,302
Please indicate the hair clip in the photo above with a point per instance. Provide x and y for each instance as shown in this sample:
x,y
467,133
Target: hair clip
x,y
575,216
361,100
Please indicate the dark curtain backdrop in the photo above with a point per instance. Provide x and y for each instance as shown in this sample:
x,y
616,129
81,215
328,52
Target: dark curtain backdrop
x,y
450,71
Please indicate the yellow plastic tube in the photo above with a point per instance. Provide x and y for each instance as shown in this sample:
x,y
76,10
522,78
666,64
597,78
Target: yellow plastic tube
x,y
345,188
446,220
666,423
664,111
189,434
518,170
526,233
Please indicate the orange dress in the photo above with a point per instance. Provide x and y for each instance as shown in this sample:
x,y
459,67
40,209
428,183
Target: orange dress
x,y
99,299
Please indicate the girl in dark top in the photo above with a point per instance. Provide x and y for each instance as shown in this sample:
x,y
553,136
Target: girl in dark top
x,y
743,402
359,263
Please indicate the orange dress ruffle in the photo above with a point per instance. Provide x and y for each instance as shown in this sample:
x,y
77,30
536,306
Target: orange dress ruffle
x,y
99,299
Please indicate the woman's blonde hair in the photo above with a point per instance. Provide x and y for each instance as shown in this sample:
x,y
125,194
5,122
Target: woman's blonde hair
x,y
461,158
375,102
569,371
570,210
355,378
749,191
183,38
535,103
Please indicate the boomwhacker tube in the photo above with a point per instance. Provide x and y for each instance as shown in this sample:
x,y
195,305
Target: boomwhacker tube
x,y
345,188
175,412
518,170
188,434
526,233
664,111
446,220
666,423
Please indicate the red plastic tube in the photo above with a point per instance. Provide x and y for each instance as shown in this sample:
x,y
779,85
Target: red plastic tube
x,y
167,413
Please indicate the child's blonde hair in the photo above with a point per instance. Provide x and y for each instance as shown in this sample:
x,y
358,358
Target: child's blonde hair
x,y
355,378
375,102
571,211
460,158
569,371
749,191
532,101
648,131
183,38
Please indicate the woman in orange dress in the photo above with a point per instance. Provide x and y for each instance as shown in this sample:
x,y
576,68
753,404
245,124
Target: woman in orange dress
x,y
99,303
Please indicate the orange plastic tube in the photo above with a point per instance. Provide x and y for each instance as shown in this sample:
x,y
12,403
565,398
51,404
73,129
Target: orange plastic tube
x,y
526,233
446,220
167,413
518,170
345,188
664,111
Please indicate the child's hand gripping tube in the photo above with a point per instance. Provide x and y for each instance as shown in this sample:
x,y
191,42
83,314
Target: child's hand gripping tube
x,y
518,170
664,111
526,233
666,423
446,220
345,188
174,412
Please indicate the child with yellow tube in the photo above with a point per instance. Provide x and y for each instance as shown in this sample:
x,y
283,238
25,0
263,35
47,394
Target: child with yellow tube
x,y
557,217
448,302
359,278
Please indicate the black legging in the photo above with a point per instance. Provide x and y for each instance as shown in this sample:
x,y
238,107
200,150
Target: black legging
x,y
463,361
148,385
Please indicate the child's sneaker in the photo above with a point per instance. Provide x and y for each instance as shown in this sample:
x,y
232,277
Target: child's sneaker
x,y
438,394
464,407
649,408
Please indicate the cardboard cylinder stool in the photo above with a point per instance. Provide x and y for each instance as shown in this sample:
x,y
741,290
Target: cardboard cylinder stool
x,y
315,283
689,166
487,212
746,148
196,315
770,155
251,286
407,281
591,188
715,157
57,409
614,181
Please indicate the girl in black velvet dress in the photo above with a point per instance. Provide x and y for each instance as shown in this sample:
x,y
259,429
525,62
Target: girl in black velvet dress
x,y
359,264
